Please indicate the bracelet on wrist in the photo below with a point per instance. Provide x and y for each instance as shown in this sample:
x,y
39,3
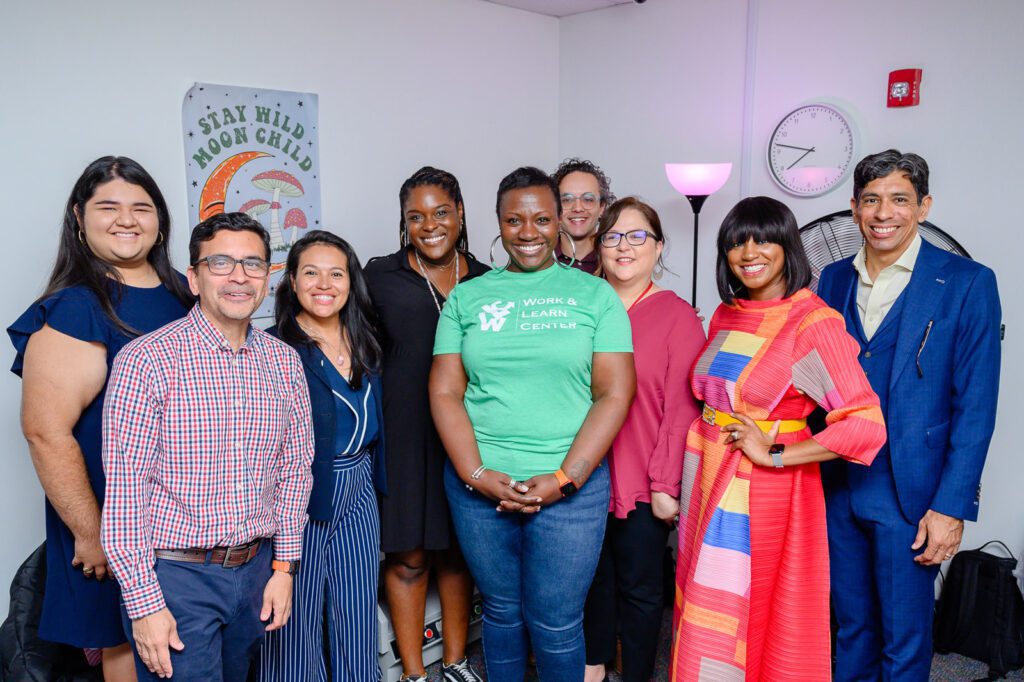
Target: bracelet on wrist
x,y
478,472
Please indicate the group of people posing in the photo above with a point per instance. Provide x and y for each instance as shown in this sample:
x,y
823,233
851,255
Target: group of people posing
x,y
218,496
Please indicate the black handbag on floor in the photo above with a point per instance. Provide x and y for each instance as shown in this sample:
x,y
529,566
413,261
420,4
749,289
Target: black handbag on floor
x,y
980,613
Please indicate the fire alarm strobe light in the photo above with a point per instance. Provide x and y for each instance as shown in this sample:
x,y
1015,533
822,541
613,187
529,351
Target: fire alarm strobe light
x,y
904,88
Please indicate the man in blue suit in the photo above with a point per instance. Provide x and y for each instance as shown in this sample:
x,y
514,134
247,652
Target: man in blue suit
x,y
928,325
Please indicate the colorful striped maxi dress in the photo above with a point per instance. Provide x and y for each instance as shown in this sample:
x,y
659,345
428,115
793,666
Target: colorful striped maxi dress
x,y
752,576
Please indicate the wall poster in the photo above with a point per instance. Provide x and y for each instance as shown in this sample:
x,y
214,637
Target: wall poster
x,y
255,151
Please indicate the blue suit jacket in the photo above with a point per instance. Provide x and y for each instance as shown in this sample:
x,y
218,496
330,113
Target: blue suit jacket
x,y
321,401
940,419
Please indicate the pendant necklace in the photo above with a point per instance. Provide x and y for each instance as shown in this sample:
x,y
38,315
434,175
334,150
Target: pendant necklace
x,y
342,360
430,284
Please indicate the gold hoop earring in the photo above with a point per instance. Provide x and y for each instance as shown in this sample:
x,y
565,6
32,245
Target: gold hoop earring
x,y
159,238
81,237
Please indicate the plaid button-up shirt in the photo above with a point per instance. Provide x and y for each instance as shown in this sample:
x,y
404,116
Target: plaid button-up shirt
x,y
203,446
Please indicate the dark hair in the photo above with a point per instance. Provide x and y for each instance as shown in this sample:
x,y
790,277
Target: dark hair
x,y
575,165
433,177
77,265
527,176
232,222
612,214
763,219
357,315
888,162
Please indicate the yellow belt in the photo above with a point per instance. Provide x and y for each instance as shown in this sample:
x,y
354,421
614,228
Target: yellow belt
x,y
719,418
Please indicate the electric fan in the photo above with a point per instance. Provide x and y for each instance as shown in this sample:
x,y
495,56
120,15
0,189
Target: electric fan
x,y
835,237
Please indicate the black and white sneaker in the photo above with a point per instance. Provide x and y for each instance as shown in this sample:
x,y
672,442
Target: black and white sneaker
x,y
460,672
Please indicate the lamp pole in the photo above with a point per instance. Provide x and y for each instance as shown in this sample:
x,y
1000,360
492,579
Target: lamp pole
x,y
696,202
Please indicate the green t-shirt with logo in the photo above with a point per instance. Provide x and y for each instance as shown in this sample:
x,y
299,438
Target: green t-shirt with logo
x,y
527,341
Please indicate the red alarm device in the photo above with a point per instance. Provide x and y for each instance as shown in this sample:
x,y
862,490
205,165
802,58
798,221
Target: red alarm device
x,y
904,88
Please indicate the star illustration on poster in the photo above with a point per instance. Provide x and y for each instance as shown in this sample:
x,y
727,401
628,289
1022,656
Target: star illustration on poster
x,y
242,154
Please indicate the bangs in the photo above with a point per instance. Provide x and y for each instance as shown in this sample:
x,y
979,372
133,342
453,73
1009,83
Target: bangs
x,y
759,220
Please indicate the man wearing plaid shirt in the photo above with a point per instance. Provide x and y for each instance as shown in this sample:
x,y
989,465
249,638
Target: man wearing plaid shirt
x,y
207,446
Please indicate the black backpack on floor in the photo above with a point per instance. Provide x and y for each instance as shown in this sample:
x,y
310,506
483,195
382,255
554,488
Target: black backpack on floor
x,y
981,611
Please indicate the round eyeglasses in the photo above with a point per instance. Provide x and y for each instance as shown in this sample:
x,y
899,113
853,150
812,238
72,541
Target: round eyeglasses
x,y
633,238
220,264
588,199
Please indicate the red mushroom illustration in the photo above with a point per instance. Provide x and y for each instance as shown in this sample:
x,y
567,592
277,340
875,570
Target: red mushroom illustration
x,y
278,182
255,208
296,220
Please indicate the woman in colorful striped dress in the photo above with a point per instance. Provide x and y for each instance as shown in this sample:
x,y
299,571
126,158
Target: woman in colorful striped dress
x,y
752,576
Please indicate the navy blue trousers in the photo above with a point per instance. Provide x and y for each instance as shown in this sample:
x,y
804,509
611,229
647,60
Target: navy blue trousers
x,y
883,600
339,568
217,611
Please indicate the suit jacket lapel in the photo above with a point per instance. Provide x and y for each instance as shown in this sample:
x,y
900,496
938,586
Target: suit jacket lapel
x,y
311,359
921,299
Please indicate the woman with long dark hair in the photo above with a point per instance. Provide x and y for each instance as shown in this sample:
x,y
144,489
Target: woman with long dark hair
x,y
324,312
112,281
752,578
410,289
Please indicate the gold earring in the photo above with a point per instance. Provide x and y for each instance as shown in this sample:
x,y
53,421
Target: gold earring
x,y
159,238
81,237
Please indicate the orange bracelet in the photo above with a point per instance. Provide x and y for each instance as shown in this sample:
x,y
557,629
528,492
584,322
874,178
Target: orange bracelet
x,y
562,478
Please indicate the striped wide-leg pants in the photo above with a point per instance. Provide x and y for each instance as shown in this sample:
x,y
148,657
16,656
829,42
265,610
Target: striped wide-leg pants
x,y
339,569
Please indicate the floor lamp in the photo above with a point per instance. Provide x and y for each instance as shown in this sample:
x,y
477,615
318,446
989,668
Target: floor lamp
x,y
697,181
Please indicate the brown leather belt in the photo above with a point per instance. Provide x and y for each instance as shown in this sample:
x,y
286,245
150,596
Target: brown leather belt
x,y
228,557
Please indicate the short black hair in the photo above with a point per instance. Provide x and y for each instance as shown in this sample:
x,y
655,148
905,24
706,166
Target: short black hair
x,y
527,176
576,165
763,219
433,177
888,162
233,222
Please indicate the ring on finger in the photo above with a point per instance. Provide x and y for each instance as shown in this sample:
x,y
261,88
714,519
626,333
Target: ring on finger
x,y
735,436
512,483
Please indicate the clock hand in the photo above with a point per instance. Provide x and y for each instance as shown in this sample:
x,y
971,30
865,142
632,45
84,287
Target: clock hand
x,y
789,146
801,158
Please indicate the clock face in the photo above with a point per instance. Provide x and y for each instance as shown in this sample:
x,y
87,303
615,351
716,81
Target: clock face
x,y
811,150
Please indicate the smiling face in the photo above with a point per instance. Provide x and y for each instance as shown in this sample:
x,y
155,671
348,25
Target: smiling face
x,y
433,222
626,264
229,301
581,204
888,214
321,282
120,223
761,267
529,228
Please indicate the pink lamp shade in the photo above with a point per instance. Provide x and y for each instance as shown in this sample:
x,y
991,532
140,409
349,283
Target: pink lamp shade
x,y
697,179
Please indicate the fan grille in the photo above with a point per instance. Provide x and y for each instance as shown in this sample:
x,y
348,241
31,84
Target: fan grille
x,y
835,237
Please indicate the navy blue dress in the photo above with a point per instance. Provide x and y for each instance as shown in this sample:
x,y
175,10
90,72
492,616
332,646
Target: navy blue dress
x,y
79,611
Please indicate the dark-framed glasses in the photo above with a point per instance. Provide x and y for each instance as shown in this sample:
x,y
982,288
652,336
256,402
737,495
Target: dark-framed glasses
x,y
220,264
633,238
588,199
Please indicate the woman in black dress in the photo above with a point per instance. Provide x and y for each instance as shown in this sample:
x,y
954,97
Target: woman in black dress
x,y
409,289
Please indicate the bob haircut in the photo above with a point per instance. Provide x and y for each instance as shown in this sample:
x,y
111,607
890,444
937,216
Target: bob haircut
x,y
357,315
612,214
524,177
77,265
762,219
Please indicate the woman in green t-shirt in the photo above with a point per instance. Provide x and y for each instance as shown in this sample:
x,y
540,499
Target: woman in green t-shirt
x,y
532,378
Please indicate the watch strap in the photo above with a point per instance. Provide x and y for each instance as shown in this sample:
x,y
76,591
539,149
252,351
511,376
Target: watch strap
x,y
562,478
776,451
289,567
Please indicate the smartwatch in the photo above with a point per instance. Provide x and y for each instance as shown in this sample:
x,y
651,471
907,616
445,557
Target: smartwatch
x,y
565,484
776,451
289,567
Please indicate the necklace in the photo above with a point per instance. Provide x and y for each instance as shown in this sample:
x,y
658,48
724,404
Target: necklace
x,y
431,285
637,299
342,361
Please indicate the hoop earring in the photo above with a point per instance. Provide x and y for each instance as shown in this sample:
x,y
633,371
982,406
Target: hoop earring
x,y
491,253
572,245
81,237
159,238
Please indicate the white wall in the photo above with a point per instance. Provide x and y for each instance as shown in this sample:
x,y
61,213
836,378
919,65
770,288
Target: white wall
x,y
464,85
676,76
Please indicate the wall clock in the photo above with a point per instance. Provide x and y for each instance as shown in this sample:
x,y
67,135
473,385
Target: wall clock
x,y
810,152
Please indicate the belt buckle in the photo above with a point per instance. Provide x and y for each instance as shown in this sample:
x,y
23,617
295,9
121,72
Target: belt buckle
x,y
708,415
228,553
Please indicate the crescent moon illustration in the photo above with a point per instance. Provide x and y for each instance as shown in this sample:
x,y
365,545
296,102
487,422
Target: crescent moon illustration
x,y
211,200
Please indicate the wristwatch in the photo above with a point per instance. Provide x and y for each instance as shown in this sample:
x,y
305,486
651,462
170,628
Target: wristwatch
x,y
289,567
776,451
565,484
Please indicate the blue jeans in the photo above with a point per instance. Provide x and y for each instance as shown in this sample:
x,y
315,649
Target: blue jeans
x,y
534,571
217,611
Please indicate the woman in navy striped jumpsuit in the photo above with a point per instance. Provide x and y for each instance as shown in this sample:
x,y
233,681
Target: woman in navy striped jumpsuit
x,y
323,310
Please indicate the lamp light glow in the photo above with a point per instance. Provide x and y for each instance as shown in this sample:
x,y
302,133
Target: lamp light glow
x,y
697,181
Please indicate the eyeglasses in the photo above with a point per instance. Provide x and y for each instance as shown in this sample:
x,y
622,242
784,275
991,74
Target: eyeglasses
x,y
588,199
224,265
634,238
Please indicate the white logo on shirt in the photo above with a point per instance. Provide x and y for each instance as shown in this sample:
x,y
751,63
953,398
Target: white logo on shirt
x,y
498,314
